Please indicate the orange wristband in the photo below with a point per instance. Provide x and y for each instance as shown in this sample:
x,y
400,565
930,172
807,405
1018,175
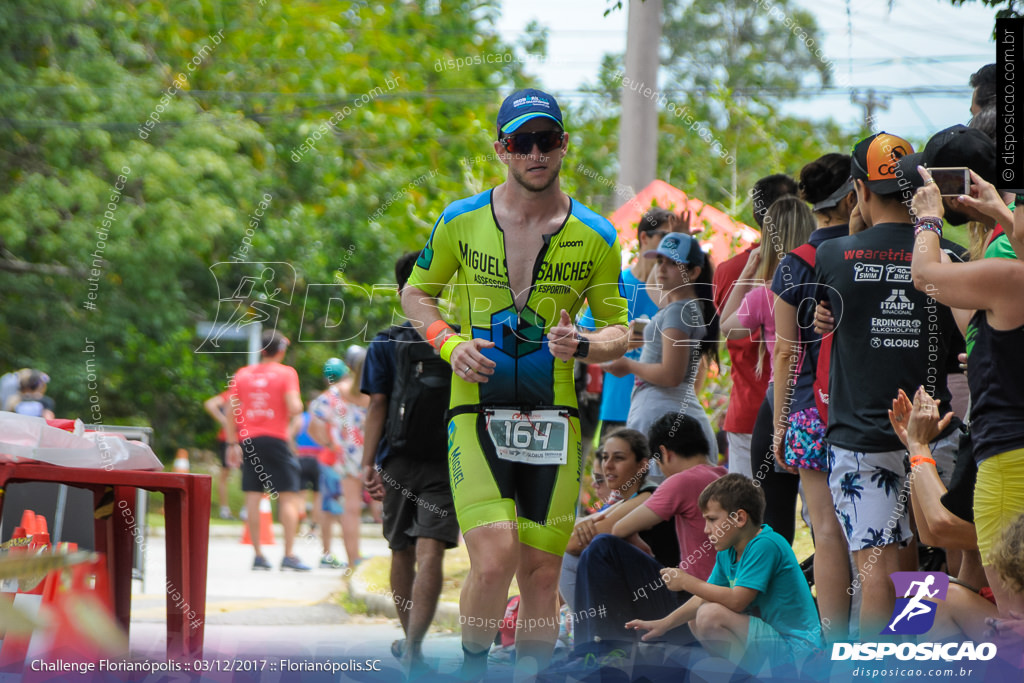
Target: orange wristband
x,y
916,460
435,330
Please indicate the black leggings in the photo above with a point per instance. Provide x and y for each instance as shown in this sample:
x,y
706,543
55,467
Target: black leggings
x,y
779,487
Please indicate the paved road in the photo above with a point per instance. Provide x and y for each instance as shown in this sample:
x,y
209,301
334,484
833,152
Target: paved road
x,y
238,595
276,615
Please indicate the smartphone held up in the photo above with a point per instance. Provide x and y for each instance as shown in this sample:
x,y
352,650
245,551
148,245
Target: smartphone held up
x,y
952,181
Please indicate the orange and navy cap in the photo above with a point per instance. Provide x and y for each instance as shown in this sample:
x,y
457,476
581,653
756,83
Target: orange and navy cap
x,y
874,161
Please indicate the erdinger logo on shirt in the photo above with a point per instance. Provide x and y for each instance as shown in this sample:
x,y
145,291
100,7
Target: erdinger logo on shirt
x,y
914,613
917,597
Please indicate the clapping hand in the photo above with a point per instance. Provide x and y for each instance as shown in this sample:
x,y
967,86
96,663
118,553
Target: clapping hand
x,y
917,423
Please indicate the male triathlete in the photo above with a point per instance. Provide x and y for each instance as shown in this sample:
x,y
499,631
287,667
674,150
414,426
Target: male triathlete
x,y
524,256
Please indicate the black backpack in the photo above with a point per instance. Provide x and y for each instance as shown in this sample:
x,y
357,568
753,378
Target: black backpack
x,y
416,422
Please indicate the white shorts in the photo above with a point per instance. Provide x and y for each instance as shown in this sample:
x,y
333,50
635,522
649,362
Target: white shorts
x,y
871,491
739,453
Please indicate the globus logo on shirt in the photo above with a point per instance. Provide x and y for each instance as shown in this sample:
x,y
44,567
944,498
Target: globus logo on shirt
x,y
917,598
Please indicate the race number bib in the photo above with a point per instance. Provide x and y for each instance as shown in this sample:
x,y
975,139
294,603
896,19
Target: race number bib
x,y
535,438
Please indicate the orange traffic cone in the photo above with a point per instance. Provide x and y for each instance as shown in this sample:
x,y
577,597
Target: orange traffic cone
x,y
266,525
30,522
181,461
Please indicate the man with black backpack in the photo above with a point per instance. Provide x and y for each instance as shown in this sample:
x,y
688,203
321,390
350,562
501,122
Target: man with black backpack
x,y
405,464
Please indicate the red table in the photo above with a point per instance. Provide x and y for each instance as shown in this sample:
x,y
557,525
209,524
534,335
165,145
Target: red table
x,y
187,514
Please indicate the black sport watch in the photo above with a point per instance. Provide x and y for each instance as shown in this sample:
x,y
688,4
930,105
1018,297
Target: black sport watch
x,y
582,348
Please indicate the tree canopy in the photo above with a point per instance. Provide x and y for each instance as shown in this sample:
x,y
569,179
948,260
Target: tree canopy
x,y
157,154
203,110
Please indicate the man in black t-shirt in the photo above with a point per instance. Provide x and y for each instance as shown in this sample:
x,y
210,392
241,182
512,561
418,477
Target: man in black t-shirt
x,y
888,336
419,514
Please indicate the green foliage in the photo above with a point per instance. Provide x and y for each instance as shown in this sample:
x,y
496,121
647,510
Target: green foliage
x,y
753,52
728,68
232,91
1013,8
720,165
720,125
354,123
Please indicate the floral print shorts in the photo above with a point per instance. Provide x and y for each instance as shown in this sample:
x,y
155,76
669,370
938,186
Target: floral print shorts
x,y
805,441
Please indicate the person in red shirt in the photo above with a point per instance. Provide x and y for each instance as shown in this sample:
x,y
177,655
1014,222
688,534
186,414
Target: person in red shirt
x,y
266,414
217,407
748,390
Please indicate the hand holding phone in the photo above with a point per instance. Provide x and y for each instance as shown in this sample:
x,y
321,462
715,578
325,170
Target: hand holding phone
x,y
636,332
952,181
987,200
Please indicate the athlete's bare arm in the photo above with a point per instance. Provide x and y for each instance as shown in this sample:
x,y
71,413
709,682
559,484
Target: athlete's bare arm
x,y
466,360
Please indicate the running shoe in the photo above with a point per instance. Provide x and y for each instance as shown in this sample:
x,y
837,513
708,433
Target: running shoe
x,y
261,563
329,561
295,564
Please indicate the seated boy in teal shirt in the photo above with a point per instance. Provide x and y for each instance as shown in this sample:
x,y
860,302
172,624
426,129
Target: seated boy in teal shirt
x,y
756,606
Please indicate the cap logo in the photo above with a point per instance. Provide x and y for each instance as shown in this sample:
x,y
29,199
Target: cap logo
x,y
895,154
531,101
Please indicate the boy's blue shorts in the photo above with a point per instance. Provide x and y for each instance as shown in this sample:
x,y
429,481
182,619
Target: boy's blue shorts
x,y
764,644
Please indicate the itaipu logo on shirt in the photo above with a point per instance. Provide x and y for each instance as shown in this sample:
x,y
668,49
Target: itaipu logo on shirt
x,y
897,303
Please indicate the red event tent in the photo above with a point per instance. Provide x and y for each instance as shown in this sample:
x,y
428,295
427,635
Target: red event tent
x,y
719,233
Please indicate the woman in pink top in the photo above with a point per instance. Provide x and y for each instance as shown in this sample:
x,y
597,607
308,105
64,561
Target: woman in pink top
x,y
750,306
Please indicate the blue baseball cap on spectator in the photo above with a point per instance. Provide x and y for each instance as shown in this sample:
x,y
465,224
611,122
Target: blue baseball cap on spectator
x,y
526,104
679,247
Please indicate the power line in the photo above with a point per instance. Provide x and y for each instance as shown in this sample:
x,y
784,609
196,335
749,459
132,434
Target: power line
x,y
461,94
480,96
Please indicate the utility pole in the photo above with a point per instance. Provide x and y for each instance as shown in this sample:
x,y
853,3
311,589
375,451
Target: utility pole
x,y
868,100
638,127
